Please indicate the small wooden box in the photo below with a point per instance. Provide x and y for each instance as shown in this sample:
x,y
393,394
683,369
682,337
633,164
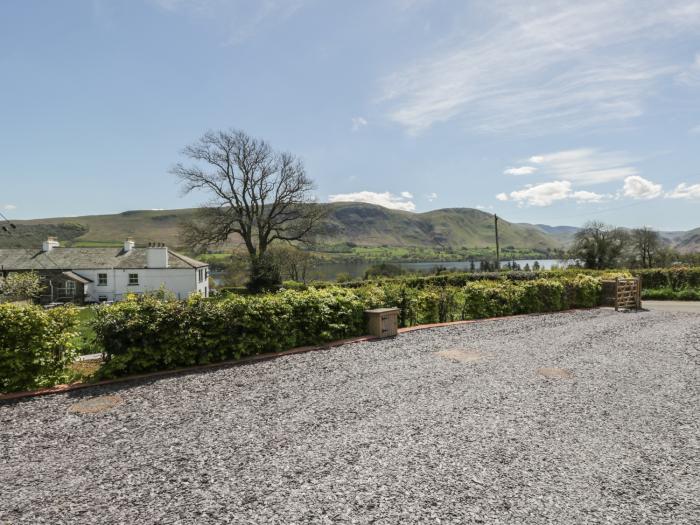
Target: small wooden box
x,y
383,322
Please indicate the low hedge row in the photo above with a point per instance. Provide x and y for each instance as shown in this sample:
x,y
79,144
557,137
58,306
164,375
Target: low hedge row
x,y
677,278
480,299
685,294
36,346
147,334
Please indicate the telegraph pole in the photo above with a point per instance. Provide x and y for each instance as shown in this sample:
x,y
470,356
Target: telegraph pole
x,y
498,252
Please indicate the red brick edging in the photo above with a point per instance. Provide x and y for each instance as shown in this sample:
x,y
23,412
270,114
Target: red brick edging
x,y
59,389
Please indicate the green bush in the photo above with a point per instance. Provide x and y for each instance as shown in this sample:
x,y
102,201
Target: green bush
x,y
145,334
677,278
687,294
36,346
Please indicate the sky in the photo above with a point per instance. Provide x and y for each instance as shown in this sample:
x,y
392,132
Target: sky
x,y
547,112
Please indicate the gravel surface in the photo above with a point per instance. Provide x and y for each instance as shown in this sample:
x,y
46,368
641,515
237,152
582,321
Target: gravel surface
x,y
384,432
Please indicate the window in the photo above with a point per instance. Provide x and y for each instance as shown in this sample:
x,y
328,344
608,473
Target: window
x,y
200,272
102,298
133,279
66,289
101,279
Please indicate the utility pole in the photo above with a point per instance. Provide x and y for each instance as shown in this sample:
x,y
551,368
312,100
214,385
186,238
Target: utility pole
x,y
498,252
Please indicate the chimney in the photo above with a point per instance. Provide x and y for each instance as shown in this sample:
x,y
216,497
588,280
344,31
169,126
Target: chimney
x,y
128,244
156,256
49,244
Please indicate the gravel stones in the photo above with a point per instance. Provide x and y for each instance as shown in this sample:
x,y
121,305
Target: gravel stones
x,y
459,355
555,373
96,404
384,432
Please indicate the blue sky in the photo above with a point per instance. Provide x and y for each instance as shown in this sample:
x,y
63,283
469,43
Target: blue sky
x,y
550,112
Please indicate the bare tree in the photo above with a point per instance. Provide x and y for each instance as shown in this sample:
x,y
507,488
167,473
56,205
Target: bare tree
x,y
257,193
599,245
646,243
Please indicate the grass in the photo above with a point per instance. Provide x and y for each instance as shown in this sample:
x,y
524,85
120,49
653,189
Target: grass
x,y
95,244
668,294
86,335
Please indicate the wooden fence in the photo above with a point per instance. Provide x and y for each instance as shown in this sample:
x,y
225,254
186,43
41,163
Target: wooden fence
x,y
625,293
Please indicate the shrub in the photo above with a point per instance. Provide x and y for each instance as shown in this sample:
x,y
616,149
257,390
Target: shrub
x,y
687,294
20,286
145,334
676,278
36,346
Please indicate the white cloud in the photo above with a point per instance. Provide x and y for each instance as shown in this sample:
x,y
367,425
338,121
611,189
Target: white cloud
x,y
522,170
386,199
406,194
585,165
9,207
695,130
431,196
638,187
544,67
588,196
358,122
685,191
548,193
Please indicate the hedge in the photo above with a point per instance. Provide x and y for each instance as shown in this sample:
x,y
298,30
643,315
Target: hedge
x,y
147,334
677,278
36,346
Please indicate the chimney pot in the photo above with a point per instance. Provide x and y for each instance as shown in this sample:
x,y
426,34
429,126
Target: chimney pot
x,y
49,244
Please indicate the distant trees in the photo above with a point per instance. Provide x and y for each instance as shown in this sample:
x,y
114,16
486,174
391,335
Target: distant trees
x,y
599,246
258,194
646,243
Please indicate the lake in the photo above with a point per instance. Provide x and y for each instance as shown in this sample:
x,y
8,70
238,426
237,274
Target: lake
x,y
329,271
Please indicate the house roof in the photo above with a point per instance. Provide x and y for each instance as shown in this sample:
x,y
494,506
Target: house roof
x,y
78,278
86,259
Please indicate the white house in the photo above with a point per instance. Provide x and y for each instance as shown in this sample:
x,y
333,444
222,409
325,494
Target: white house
x,y
108,274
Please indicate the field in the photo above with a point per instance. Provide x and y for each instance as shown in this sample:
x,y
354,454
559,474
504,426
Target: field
x,y
580,417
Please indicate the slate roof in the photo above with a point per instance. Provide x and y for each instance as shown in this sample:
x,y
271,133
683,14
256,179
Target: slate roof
x,y
86,259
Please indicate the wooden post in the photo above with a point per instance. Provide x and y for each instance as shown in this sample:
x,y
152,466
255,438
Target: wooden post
x,y
639,292
617,292
498,253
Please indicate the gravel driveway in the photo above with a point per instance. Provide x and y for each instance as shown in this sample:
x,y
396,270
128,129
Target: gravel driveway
x,y
385,432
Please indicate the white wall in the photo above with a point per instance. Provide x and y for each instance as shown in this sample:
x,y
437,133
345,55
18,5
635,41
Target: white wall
x,y
182,282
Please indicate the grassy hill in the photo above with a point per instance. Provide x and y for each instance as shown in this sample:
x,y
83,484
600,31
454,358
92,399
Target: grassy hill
x,y
354,224
688,242
371,225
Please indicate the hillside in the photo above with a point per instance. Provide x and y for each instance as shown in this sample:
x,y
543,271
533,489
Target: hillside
x,y
688,242
354,223
371,225
346,223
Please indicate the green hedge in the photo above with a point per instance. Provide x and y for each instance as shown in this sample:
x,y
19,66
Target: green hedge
x,y
36,346
686,294
147,334
677,278
479,299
